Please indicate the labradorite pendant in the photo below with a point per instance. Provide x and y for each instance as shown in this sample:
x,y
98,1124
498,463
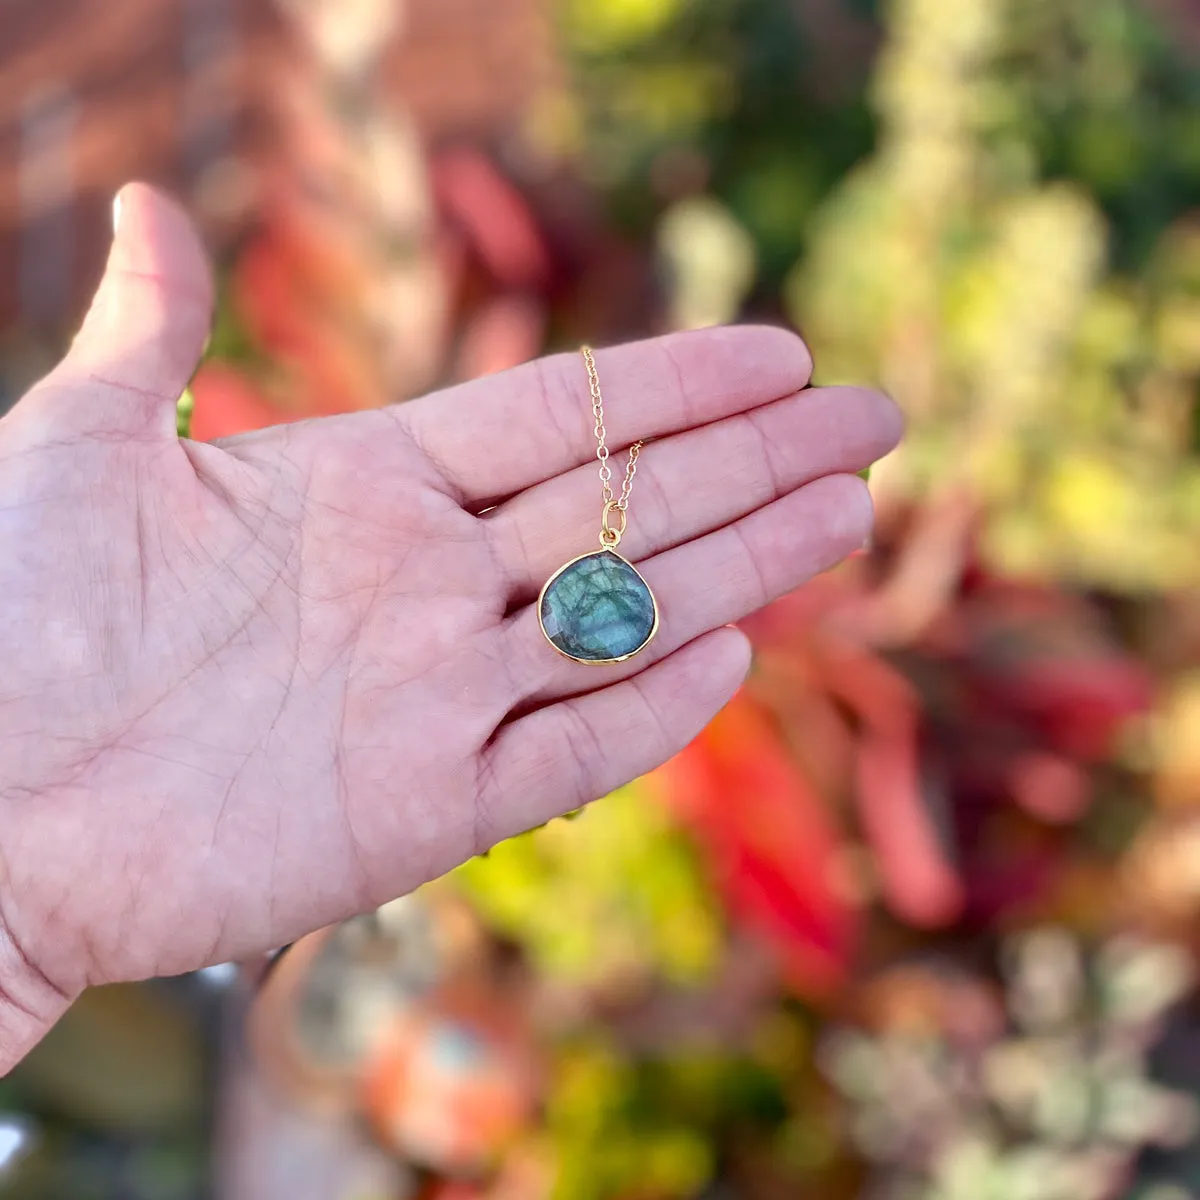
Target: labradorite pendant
x,y
598,609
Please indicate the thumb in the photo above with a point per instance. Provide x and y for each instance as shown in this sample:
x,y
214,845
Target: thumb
x,y
146,328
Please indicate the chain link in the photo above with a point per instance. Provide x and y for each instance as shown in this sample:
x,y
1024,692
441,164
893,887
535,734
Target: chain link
x,y
620,503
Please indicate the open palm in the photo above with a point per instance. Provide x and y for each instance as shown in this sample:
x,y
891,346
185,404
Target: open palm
x,y
256,686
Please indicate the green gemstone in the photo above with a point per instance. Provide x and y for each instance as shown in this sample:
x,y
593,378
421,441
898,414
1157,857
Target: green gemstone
x,y
598,608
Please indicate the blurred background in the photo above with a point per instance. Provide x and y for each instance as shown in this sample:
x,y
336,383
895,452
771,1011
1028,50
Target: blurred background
x,y
917,917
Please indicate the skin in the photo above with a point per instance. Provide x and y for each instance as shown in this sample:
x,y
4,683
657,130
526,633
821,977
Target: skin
x,y
256,686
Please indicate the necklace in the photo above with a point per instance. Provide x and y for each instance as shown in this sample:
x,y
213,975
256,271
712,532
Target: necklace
x,y
597,608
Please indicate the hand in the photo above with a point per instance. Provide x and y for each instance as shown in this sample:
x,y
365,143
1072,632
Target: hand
x,y
253,687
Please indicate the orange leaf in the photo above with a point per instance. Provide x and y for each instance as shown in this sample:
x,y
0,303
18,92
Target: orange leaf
x,y
769,840
227,403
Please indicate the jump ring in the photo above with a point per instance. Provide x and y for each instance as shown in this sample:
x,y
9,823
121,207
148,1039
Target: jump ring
x,y
608,535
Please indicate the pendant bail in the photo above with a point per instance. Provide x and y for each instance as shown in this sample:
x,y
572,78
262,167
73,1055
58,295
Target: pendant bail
x,y
610,538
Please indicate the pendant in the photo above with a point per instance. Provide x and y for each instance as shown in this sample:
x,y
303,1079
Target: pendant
x,y
597,608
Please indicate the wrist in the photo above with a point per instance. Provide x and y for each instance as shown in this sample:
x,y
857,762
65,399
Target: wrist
x,y
29,1005
30,1001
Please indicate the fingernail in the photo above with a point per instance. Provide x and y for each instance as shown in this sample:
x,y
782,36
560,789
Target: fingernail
x,y
116,212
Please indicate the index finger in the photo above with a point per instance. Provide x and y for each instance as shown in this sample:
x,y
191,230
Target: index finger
x,y
496,436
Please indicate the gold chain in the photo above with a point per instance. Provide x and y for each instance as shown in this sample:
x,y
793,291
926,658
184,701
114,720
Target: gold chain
x,y
621,503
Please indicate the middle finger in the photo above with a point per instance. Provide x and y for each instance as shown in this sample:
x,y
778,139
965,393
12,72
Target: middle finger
x,y
694,482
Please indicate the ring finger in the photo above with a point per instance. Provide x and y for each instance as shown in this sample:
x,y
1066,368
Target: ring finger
x,y
711,581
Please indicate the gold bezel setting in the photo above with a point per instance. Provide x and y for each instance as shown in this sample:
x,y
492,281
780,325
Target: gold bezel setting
x,y
598,662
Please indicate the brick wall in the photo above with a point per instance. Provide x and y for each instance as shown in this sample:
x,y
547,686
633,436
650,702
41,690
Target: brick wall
x,y
95,93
